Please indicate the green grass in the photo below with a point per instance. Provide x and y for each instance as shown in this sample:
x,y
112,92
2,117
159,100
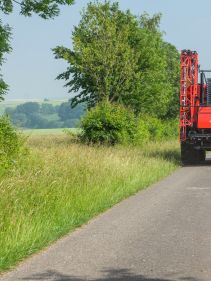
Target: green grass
x,y
62,185
45,131
58,131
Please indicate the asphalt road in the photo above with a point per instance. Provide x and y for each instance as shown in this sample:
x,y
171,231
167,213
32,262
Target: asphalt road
x,y
160,234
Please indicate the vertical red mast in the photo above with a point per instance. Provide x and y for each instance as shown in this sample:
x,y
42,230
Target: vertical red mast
x,y
189,97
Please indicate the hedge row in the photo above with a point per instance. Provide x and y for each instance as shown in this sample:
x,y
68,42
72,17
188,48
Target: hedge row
x,y
113,123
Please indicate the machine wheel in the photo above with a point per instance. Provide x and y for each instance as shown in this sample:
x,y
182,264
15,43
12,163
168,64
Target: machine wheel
x,y
191,156
202,155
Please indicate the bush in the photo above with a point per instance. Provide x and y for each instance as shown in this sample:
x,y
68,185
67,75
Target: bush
x,y
154,127
159,129
143,134
171,128
109,124
11,143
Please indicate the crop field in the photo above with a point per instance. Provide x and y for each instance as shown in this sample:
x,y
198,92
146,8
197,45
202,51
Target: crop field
x,y
60,185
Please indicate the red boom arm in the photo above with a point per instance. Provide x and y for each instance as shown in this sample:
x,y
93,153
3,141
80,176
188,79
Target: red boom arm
x,y
189,96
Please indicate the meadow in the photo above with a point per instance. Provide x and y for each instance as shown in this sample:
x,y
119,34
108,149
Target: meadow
x,y
61,185
58,131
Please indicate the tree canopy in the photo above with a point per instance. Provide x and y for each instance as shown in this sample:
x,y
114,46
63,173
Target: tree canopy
x,y
44,8
120,57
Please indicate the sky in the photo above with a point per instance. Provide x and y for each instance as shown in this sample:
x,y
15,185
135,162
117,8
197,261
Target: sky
x,y
31,69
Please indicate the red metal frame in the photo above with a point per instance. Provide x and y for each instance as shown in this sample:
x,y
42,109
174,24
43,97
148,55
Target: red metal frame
x,y
189,96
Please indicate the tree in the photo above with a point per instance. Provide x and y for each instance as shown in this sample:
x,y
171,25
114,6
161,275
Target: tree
x,y
28,108
103,66
34,115
173,70
47,108
118,57
36,121
46,9
65,111
152,87
19,119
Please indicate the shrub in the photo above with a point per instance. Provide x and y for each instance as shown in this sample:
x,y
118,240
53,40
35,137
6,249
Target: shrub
x,y
159,129
154,126
11,143
171,128
109,124
143,134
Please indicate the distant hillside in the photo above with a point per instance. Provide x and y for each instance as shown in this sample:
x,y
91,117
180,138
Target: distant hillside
x,y
42,114
15,102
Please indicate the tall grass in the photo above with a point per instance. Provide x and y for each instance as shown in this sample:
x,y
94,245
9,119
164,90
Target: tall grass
x,y
62,185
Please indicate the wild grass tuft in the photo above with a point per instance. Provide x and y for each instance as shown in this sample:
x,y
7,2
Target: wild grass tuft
x,y
61,185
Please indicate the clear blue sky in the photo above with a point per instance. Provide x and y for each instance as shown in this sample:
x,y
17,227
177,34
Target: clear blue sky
x,y
31,69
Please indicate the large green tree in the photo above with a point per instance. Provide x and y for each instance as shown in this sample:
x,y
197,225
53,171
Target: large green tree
x,y
103,66
173,76
119,57
157,90
44,8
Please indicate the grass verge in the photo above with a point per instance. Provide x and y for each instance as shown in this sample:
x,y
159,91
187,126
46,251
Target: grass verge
x,y
39,132
62,185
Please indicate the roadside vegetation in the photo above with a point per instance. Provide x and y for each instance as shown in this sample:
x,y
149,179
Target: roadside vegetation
x,y
47,132
121,67
112,124
60,185
11,144
126,75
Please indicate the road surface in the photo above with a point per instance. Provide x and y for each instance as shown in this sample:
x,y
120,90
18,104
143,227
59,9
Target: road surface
x,y
161,234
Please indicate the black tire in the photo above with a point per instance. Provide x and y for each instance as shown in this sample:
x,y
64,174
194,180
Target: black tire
x,y
202,155
191,156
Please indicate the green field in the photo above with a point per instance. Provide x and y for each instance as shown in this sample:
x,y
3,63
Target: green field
x,y
60,185
59,131
44,131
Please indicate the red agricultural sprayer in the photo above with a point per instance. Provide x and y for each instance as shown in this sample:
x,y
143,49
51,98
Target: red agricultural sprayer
x,y
195,109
